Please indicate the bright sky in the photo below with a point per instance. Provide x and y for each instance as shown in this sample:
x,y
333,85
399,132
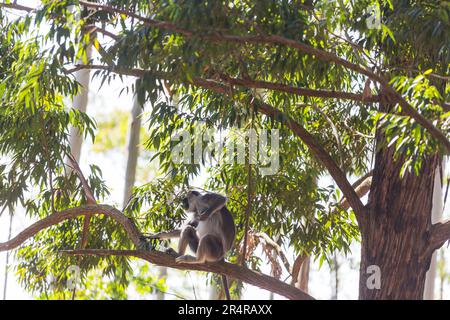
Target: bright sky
x,y
113,166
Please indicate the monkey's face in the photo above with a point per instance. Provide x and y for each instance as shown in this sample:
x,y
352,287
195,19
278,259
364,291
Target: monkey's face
x,y
185,203
189,202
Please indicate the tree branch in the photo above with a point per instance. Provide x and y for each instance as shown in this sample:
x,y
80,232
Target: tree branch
x,y
322,155
361,187
301,258
230,270
156,257
92,28
440,233
248,83
214,85
72,213
17,6
90,199
269,241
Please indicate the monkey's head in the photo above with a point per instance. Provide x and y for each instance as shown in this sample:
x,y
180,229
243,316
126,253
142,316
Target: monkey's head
x,y
189,202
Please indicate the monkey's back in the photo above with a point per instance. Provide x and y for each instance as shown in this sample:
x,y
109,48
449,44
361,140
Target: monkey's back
x,y
228,224
220,224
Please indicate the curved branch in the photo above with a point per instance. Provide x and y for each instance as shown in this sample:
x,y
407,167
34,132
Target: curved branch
x,y
88,211
322,155
230,270
249,83
156,257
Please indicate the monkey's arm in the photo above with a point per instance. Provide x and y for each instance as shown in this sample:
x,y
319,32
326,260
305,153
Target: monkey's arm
x,y
216,201
165,235
172,233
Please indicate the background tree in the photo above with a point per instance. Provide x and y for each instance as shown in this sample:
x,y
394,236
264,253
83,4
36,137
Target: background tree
x,y
367,101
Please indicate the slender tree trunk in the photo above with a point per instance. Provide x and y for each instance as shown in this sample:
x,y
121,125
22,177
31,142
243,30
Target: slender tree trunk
x,y
80,102
303,275
162,274
5,284
132,150
395,232
436,216
442,275
336,266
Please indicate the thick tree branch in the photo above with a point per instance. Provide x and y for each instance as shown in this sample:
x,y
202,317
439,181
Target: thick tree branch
x,y
156,257
72,213
230,270
323,156
248,83
440,233
361,188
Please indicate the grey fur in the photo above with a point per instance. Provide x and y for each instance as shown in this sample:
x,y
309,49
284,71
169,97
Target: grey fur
x,y
215,231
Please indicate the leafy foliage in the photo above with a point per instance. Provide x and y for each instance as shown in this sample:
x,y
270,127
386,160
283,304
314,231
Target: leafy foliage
x,y
40,50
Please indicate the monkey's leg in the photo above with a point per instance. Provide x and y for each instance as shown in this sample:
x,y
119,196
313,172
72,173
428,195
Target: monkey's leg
x,y
210,249
188,237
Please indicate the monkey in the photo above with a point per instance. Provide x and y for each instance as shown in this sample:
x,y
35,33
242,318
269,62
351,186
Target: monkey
x,y
210,233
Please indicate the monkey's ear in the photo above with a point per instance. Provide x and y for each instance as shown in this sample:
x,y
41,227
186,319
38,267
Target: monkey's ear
x,y
195,193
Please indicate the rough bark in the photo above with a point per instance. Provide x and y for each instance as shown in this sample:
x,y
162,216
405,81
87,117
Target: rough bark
x,y
396,234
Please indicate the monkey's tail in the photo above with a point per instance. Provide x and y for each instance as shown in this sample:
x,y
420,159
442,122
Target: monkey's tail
x,y
225,287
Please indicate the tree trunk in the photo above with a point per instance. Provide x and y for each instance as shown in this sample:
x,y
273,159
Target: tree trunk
x,y
335,285
395,232
132,150
160,295
5,283
80,102
436,216
303,275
